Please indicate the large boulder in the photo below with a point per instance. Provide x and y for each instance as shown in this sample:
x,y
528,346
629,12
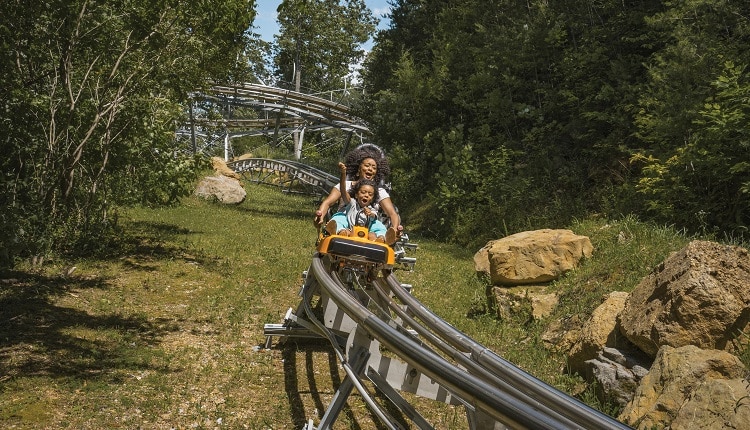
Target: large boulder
x,y
603,355
222,189
715,404
698,296
691,388
531,257
598,332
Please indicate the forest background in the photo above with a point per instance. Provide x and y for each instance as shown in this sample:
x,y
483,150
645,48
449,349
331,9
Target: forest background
x,y
530,114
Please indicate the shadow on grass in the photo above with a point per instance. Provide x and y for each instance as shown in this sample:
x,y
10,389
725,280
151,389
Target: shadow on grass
x,y
313,348
270,201
280,211
144,240
140,245
41,338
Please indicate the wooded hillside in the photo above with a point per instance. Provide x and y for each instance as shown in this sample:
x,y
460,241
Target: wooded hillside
x,y
532,113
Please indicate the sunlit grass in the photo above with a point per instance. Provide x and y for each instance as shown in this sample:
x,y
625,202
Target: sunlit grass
x,y
164,331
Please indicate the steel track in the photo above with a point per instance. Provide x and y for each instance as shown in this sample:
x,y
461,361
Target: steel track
x,y
495,393
290,176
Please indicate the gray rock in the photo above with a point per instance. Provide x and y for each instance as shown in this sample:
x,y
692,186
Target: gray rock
x,y
222,189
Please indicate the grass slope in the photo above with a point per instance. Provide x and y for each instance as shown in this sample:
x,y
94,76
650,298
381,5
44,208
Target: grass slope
x,y
164,331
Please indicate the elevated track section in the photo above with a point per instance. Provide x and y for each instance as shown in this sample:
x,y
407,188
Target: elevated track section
x,y
289,108
290,176
224,112
385,338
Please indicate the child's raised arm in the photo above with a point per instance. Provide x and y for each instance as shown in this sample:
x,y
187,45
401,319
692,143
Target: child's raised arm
x,y
342,185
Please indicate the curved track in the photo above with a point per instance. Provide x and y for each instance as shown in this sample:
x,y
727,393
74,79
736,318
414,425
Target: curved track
x,y
432,358
278,114
290,106
290,176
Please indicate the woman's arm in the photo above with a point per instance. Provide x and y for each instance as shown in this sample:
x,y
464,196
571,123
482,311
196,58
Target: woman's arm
x,y
342,184
387,205
331,199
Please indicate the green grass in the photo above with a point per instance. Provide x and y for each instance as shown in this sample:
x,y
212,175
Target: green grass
x,y
163,331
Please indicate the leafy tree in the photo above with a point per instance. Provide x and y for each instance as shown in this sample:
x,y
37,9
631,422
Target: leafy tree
x,y
522,112
704,184
320,40
318,44
439,84
691,117
91,94
448,99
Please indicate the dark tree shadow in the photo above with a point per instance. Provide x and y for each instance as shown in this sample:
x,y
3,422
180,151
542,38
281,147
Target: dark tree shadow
x,y
145,243
36,339
39,336
148,239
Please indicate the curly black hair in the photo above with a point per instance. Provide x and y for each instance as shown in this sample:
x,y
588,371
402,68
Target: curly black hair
x,y
355,157
357,185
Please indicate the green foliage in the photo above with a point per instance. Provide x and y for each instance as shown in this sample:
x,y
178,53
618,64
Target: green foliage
x,y
693,119
579,106
91,95
319,41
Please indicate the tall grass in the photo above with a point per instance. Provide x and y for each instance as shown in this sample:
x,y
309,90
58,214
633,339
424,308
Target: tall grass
x,y
165,330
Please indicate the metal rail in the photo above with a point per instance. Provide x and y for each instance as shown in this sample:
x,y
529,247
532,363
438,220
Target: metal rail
x,y
279,113
290,176
526,385
310,107
434,359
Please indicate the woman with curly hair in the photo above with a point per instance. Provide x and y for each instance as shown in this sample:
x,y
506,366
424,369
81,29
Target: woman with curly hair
x,y
365,162
358,210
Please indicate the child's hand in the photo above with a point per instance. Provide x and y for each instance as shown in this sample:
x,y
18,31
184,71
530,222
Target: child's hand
x,y
369,213
318,220
342,167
